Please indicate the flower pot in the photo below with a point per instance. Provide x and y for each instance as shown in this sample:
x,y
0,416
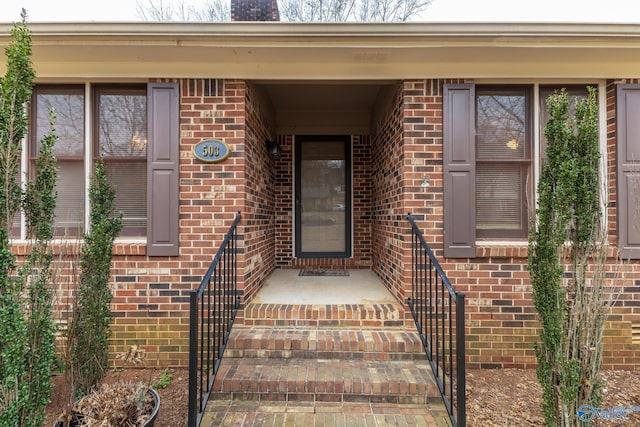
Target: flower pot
x,y
148,423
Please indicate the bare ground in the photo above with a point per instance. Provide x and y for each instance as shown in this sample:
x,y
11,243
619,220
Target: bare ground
x,y
496,397
512,397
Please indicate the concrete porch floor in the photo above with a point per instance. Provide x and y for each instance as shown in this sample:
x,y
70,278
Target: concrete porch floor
x,y
285,286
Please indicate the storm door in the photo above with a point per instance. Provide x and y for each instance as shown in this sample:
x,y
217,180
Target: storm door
x,y
323,197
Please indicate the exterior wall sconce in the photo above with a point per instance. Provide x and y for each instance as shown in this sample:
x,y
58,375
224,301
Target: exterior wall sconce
x,y
274,149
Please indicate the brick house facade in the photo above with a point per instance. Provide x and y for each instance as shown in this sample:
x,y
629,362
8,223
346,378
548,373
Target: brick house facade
x,y
230,83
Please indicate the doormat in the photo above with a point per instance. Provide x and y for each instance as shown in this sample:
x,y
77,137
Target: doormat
x,y
322,272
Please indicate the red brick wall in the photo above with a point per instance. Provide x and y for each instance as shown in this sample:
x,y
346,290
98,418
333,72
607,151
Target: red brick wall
x,y
284,203
151,294
362,205
387,153
258,225
620,351
501,320
150,305
386,166
405,148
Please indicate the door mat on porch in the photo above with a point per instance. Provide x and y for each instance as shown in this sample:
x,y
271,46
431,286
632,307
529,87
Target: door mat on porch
x,y
323,272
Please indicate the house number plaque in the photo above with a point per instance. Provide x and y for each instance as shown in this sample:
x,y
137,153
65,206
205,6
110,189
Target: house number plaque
x,y
211,151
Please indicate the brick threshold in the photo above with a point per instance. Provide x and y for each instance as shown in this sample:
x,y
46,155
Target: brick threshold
x,y
375,315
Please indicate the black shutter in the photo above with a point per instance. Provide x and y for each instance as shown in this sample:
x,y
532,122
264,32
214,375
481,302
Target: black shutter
x,y
459,171
163,169
628,176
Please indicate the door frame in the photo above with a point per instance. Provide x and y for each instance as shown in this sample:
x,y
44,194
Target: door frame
x,y
297,223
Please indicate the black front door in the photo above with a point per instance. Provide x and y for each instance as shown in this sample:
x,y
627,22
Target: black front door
x,y
323,197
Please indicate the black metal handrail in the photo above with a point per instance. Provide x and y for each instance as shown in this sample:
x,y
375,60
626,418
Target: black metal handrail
x,y
432,304
213,308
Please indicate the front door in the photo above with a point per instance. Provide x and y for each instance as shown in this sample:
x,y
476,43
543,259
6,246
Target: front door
x,y
323,197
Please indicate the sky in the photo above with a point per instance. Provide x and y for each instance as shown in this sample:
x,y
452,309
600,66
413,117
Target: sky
x,y
618,11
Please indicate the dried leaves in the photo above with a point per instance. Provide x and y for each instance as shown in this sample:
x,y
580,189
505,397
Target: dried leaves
x,y
118,404
125,405
135,355
512,397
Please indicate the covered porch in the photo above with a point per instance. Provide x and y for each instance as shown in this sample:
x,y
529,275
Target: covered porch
x,y
292,286
358,299
326,176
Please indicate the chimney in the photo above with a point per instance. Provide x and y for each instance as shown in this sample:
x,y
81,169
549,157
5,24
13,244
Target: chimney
x,y
254,10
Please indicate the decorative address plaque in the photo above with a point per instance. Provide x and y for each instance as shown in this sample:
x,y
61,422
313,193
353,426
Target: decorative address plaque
x,y
211,151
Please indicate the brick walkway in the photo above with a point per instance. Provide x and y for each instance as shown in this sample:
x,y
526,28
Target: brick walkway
x,y
307,414
319,365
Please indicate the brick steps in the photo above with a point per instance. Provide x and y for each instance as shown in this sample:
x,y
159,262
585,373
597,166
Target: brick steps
x,y
324,380
368,344
380,315
324,365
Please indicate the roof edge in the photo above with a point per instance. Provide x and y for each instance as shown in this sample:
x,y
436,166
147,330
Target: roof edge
x,y
350,30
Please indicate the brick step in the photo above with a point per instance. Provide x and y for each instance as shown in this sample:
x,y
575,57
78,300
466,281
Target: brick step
x,y
309,414
368,344
374,315
325,380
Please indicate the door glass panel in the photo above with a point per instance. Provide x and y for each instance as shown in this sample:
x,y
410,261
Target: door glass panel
x,y
323,195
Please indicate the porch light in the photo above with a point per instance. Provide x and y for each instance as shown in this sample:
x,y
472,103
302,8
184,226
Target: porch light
x,y
274,149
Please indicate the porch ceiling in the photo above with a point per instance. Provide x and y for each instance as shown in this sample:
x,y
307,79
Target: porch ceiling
x,y
281,51
322,96
323,107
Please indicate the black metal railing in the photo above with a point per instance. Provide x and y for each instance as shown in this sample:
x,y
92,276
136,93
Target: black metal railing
x,y
438,311
213,308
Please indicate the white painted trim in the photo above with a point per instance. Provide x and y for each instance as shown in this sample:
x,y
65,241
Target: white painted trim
x,y
88,152
602,137
536,146
24,169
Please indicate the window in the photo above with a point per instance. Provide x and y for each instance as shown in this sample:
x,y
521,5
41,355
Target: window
x,y
119,129
503,162
121,137
136,130
493,137
68,104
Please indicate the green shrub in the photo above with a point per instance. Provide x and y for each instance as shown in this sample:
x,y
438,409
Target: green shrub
x,y
92,318
567,260
27,331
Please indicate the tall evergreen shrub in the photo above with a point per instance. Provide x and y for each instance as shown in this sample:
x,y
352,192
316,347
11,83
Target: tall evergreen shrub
x,y
567,259
90,328
27,331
